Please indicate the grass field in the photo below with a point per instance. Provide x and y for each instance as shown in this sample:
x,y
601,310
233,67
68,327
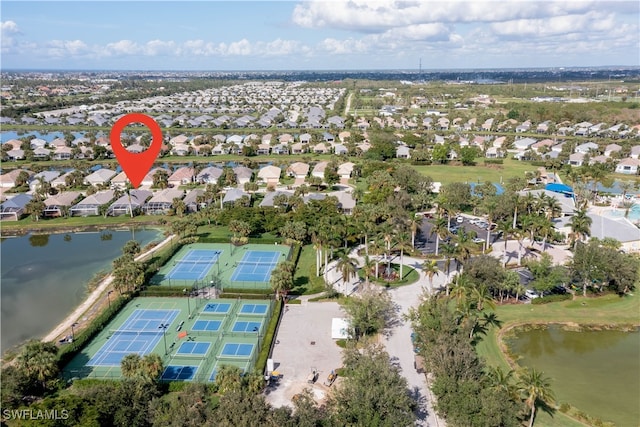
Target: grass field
x,y
606,310
305,281
479,173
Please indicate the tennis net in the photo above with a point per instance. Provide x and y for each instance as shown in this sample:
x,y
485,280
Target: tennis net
x,y
255,264
194,262
135,331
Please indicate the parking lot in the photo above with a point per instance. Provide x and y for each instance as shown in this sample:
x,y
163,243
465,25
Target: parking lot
x,y
304,342
426,242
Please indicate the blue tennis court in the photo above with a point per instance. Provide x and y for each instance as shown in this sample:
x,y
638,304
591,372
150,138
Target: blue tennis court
x,y
194,265
236,350
254,308
218,308
256,266
179,373
191,348
207,325
242,326
139,334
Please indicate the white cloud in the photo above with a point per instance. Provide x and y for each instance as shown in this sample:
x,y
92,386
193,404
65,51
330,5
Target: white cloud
x,y
242,47
122,47
66,48
7,30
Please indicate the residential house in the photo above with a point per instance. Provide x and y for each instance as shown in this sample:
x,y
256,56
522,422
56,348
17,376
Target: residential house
x,y
61,180
181,176
610,149
298,148
8,180
46,176
62,153
269,197
99,177
243,175
305,138
285,138
90,205
119,181
280,149
16,154
403,152
13,209
59,204
181,150
298,170
41,154
162,201
344,136
493,153
567,205
620,229
635,152
263,149
191,199
576,159
320,148
524,127
586,148
209,175
628,166
542,146
233,195
147,181
128,203
345,170
318,169
523,143
346,202
327,137
270,175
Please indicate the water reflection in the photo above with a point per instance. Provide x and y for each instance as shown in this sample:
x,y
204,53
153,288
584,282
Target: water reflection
x,y
39,240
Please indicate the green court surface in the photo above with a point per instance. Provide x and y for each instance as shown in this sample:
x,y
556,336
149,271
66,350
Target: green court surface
x,y
224,266
194,337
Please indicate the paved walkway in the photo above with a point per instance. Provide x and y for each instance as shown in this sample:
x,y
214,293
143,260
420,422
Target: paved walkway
x,y
80,312
398,341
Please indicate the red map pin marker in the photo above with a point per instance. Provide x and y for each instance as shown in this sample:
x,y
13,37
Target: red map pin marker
x,y
136,165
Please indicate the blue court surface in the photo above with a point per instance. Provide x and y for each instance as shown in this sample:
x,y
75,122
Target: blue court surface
x,y
242,326
139,334
218,308
254,308
236,350
256,266
194,265
179,373
207,325
191,348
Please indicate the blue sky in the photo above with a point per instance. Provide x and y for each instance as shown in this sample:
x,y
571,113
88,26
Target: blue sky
x,y
292,35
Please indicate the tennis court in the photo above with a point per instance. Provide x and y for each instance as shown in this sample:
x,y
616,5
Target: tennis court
x,y
256,266
259,309
140,333
179,372
242,364
191,348
194,265
244,326
206,325
241,350
217,308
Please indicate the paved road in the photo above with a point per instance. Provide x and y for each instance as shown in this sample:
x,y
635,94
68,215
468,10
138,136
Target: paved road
x,y
398,340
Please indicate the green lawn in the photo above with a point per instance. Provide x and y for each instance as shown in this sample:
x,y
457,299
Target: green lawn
x,y
305,280
479,173
606,310
27,224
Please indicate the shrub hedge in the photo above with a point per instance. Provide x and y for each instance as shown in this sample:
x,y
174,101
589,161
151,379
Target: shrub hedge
x,y
551,298
267,344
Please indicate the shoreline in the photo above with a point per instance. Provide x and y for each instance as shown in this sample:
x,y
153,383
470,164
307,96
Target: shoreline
x,y
65,325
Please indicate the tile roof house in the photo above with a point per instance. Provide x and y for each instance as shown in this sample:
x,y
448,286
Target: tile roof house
x,y
61,181
120,180
13,209
8,180
403,152
243,174
628,166
16,154
62,153
209,175
576,159
320,148
270,175
47,176
100,177
318,169
611,148
346,202
191,199
181,176
269,197
162,201
90,205
129,202
586,148
56,205
298,170
345,170
231,196
635,152
147,181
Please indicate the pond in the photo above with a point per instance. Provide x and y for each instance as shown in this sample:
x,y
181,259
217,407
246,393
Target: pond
x,y
44,277
595,371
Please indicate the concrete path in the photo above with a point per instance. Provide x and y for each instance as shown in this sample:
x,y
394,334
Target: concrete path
x,y
77,315
398,340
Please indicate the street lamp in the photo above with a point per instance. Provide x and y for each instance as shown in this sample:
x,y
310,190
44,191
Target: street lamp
x,y
73,332
213,285
109,297
164,327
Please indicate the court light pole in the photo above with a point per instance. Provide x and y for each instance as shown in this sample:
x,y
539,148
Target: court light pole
x,y
73,332
184,291
164,327
109,297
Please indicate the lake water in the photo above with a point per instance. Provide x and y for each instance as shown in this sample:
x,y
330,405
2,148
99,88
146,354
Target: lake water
x,y
44,277
595,371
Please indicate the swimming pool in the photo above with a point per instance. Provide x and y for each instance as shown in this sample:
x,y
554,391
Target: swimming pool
x,y
634,213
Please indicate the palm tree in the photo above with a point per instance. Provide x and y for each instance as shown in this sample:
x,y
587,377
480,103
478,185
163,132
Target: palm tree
x,y
535,389
430,268
401,243
347,268
506,229
441,231
580,226
500,380
129,365
368,265
448,250
414,226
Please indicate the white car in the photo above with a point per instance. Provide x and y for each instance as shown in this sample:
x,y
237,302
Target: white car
x,y
478,240
531,294
460,220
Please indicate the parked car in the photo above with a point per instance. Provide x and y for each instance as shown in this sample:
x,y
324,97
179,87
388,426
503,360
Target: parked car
x,y
478,240
460,220
531,294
